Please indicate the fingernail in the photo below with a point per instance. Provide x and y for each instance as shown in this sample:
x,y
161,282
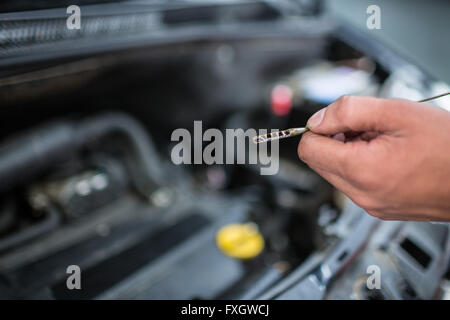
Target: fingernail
x,y
316,119
339,137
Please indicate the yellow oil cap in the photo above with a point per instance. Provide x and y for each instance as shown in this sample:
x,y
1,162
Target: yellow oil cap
x,y
240,240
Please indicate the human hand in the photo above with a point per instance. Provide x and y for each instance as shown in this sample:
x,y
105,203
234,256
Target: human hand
x,y
390,156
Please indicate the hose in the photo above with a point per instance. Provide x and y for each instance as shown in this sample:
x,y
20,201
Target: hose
x,y
145,168
26,156
49,223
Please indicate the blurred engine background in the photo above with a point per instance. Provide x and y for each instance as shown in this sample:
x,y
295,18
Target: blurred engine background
x,y
86,177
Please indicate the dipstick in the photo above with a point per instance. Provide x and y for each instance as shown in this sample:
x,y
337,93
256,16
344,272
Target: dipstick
x,y
292,132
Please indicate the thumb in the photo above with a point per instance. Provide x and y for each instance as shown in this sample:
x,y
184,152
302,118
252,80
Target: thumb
x,y
353,113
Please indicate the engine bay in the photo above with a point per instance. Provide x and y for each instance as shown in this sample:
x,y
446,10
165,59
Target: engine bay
x,y
86,177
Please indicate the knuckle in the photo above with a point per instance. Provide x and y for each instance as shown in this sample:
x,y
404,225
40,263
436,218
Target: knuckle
x,y
382,215
347,164
368,204
377,214
364,172
345,167
305,147
344,107
366,179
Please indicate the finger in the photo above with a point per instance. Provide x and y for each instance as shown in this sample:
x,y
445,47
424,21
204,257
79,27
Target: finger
x,y
326,153
369,135
339,183
352,192
365,136
359,114
339,137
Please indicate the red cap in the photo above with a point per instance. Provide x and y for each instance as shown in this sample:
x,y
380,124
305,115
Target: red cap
x,y
281,100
